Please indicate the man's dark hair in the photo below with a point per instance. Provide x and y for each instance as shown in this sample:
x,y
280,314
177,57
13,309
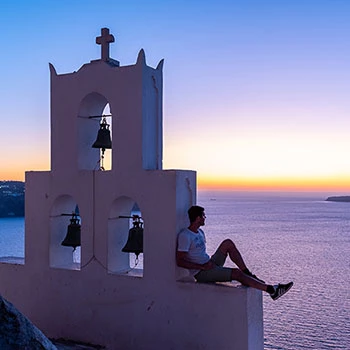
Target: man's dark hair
x,y
194,212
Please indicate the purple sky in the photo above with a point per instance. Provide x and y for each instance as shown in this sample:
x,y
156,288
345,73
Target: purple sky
x,y
253,90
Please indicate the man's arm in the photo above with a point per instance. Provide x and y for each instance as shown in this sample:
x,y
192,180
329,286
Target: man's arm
x,y
181,260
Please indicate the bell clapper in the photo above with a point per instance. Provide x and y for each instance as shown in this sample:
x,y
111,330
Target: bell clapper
x,y
102,159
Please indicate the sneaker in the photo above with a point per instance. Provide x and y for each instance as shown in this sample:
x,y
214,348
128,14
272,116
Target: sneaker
x,y
281,289
253,276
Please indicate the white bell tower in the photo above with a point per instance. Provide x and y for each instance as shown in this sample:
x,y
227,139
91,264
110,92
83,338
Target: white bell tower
x,y
94,294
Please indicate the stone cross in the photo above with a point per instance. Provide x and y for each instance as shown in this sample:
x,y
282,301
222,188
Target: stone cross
x,y
104,40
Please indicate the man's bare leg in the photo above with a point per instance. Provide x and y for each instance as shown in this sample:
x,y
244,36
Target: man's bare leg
x,y
228,247
248,281
275,291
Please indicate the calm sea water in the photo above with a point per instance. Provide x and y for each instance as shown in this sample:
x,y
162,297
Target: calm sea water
x,y
300,238
12,237
282,237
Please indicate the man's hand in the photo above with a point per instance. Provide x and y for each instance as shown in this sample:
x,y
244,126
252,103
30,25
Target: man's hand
x,y
209,265
181,260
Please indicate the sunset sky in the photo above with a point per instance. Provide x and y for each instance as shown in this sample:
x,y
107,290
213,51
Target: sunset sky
x,y
256,93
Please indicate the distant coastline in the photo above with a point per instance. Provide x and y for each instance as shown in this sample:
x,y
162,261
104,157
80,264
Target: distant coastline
x,y
12,195
338,199
11,199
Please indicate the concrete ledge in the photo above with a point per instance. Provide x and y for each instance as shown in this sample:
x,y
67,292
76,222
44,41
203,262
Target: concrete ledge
x,y
228,315
12,260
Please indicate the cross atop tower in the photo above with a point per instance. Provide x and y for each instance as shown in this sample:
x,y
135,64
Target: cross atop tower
x,y
104,40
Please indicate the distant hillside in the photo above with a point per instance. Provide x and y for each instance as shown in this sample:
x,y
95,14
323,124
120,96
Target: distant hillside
x,y
11,199
339,199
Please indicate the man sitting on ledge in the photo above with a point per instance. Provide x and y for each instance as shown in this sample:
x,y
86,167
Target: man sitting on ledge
x,y
191,254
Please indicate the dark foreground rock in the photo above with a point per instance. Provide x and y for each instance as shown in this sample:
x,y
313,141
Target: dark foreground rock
x,y
18,333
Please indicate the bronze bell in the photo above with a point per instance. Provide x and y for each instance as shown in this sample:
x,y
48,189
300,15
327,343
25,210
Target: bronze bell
x,y
135,239
73,233
103,137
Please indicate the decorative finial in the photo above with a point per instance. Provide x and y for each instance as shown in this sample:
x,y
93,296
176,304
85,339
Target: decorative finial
x,y
160,64
141,58
104,40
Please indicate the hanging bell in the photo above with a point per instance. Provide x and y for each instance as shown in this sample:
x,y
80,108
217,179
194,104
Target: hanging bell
x,y
73,233
103,137
135,239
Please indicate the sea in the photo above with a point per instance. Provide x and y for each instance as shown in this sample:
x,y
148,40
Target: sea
x,y
282,237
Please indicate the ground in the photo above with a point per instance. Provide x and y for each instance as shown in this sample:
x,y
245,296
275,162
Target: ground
x,y
63,344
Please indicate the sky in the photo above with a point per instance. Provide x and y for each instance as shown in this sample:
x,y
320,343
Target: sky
x,y
255,95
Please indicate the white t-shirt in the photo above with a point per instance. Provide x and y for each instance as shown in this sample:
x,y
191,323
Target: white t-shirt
x,y
194,244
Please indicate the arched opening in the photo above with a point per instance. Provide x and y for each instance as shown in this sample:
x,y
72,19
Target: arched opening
x,y
125,225
93,110
106,158
64,230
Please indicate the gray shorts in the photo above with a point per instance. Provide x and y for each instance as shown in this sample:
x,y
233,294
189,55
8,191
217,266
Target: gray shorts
x,y
218,274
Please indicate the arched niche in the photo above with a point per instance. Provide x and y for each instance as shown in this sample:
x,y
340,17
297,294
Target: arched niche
x,y
91,108
119,223
61,213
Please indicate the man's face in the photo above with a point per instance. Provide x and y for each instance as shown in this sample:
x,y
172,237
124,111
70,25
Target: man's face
x,y
202,219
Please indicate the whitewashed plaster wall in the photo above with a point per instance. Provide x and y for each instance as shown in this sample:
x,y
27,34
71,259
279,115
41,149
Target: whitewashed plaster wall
x,y
96,301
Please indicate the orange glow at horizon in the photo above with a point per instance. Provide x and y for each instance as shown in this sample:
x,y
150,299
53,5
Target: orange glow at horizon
x,y
275,184
341,183
274,160
17,171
